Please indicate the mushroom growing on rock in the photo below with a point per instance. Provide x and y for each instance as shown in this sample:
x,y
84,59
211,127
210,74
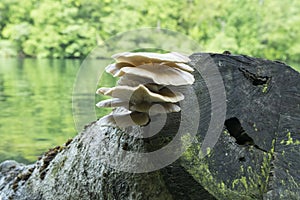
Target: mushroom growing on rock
x,y
142,106
115,102
115,67
160,74
144,86
132,80
141,94
140,58
125,119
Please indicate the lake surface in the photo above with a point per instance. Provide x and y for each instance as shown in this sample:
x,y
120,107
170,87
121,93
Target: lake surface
x,y
36,106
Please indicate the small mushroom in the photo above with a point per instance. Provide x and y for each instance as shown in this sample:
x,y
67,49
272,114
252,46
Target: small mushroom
x,y
140,58
141,94
160,74
115,102
115,67
125,119
154,87
156,108
181,66
132,80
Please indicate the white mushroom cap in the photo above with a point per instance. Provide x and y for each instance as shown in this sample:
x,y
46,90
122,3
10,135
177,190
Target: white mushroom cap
x,y
140,58
115,67
141,106
115,102
129,60
132,80
160,74
154,87
141,94
181,66
125,119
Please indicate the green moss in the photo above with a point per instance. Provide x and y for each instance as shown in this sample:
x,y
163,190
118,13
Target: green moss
x,y
243,187
242,168
249,169
265,88
226,132
234,183
290,140
244,182
222,185
251,182
208,151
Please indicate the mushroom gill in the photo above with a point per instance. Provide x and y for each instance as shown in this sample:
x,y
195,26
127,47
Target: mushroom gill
x,y
115,67
125,119
142,106
144,86
141,94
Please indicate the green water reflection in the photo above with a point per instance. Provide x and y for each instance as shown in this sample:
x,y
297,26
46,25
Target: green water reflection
x,y
35,106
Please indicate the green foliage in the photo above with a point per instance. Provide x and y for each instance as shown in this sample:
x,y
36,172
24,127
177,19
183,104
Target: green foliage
x,y
7,48
72,28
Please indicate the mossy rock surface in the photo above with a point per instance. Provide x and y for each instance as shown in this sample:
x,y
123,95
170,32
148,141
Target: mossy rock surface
x,y
265,97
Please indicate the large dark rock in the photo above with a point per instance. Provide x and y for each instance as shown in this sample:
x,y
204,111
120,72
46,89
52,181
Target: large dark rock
x,y
256,156
263,103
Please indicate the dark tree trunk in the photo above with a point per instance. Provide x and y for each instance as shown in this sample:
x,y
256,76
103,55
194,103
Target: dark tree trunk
x,y
263,104
256,156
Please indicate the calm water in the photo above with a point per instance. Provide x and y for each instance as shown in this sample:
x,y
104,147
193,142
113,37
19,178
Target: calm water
x,y
36,106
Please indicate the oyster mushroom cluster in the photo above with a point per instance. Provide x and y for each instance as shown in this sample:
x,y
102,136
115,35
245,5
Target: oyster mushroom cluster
x,y
144,86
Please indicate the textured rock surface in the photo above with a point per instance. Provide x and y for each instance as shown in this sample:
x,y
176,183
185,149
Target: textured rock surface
x,y
75,172
78,170
263,95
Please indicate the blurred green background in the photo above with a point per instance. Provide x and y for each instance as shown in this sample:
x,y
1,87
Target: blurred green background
x,y
42,44
72,28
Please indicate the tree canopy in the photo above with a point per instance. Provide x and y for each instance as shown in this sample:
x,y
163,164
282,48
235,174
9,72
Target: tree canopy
x,y
72,28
